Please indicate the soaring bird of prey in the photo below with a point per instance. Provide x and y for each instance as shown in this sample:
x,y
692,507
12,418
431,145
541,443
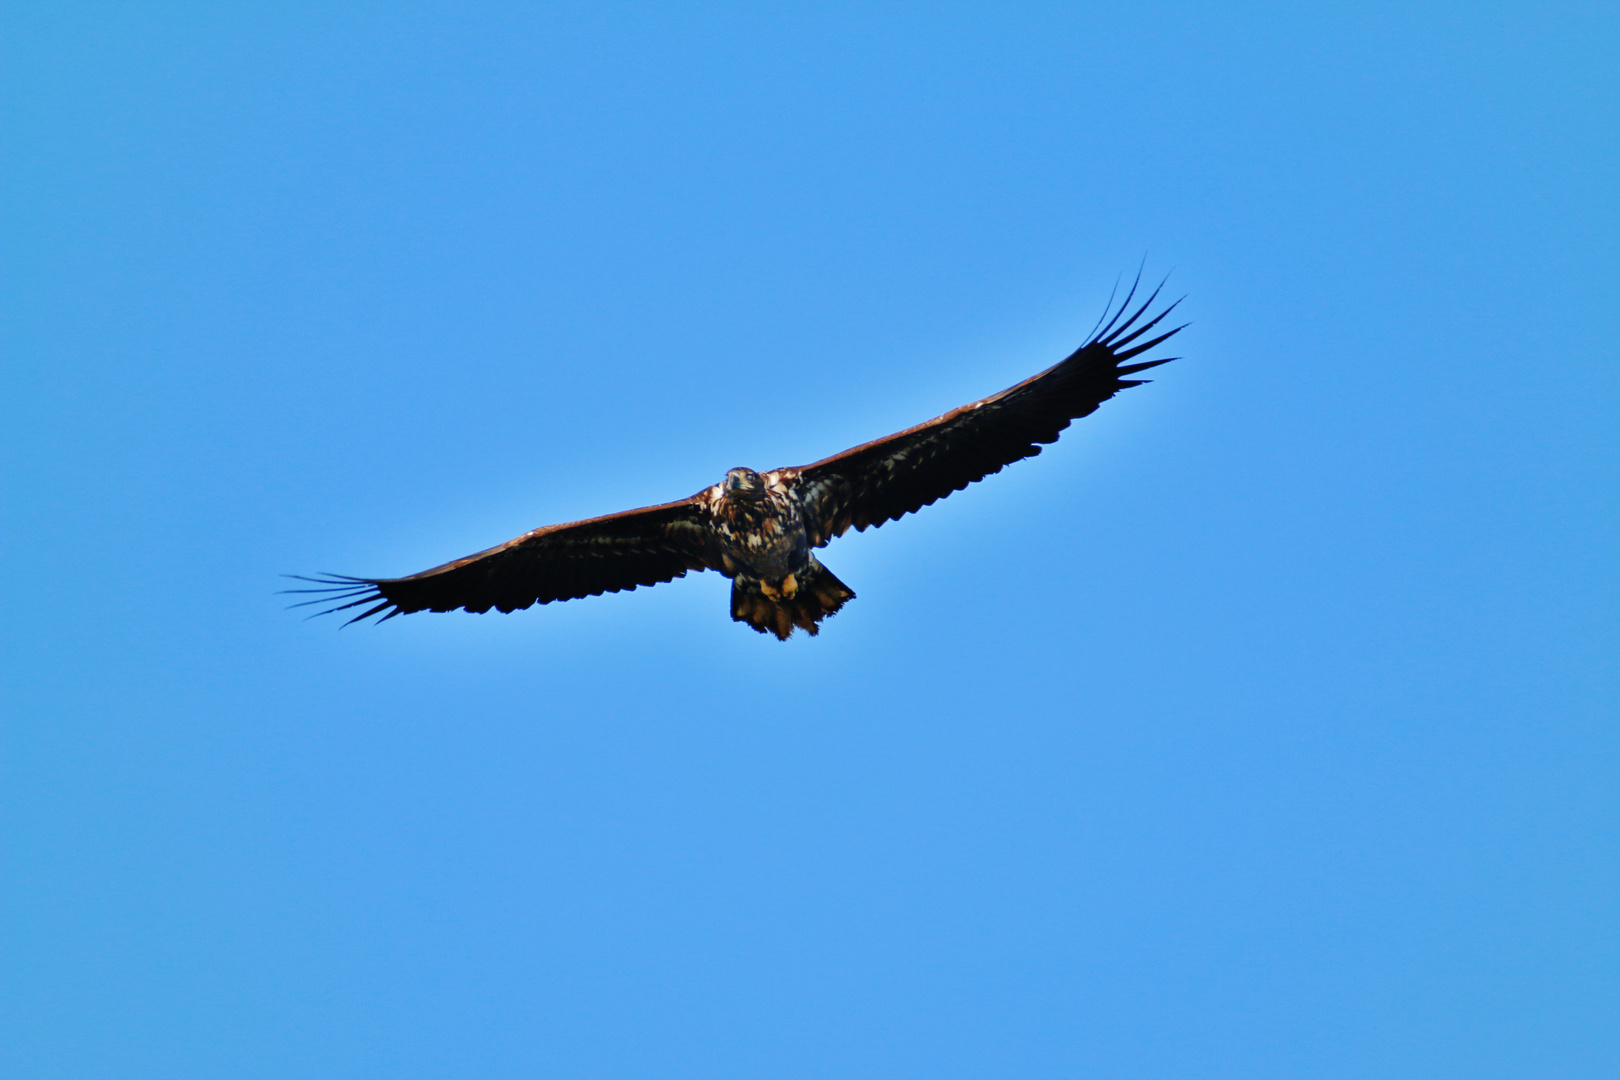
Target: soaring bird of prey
x,y
761,529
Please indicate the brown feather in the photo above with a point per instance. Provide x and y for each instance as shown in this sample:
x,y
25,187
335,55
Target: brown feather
x,y
820,595
558,562
887,478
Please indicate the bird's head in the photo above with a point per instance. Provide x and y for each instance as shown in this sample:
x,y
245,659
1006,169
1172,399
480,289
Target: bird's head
x,y
744,485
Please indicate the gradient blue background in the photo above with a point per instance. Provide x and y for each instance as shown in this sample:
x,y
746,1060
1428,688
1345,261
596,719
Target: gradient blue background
x,y
1264,727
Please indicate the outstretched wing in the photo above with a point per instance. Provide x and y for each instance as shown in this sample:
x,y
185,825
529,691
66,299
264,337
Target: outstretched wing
x,y
890,477
558,562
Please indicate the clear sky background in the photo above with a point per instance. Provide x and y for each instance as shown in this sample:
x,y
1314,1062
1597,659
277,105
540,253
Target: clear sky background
x,y
1263,727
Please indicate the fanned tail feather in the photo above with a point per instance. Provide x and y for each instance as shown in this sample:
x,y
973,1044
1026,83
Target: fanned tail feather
x,y
820,594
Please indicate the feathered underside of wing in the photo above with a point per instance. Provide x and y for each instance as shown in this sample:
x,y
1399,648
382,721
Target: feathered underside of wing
x,y
559,562
890,477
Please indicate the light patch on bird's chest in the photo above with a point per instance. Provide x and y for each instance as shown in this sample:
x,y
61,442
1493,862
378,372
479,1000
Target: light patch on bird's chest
x,y
763,539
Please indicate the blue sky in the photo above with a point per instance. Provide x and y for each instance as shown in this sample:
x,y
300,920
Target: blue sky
x,y
1263,727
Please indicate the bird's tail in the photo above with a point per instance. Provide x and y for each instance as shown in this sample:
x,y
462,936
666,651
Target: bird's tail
x,y
801,601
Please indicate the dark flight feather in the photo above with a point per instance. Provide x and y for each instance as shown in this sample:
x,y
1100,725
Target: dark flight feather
x,y
559,562
890,477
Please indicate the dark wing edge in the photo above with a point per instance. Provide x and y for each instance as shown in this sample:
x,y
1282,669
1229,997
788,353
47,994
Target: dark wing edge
x,y
558,562
888,478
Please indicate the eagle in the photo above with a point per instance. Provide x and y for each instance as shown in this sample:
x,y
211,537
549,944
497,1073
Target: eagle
x,y
762,529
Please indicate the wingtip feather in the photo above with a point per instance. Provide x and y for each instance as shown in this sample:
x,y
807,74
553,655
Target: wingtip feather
x,y
1132,369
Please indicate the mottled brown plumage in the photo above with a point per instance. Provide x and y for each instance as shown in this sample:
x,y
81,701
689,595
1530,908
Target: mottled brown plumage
x,y
761,529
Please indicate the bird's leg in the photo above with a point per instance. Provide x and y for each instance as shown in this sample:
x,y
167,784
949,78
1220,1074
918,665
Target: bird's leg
x,y
786,589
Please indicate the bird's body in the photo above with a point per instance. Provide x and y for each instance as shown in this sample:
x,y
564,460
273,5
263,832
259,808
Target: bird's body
x,y
761,530
758,526
760,538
